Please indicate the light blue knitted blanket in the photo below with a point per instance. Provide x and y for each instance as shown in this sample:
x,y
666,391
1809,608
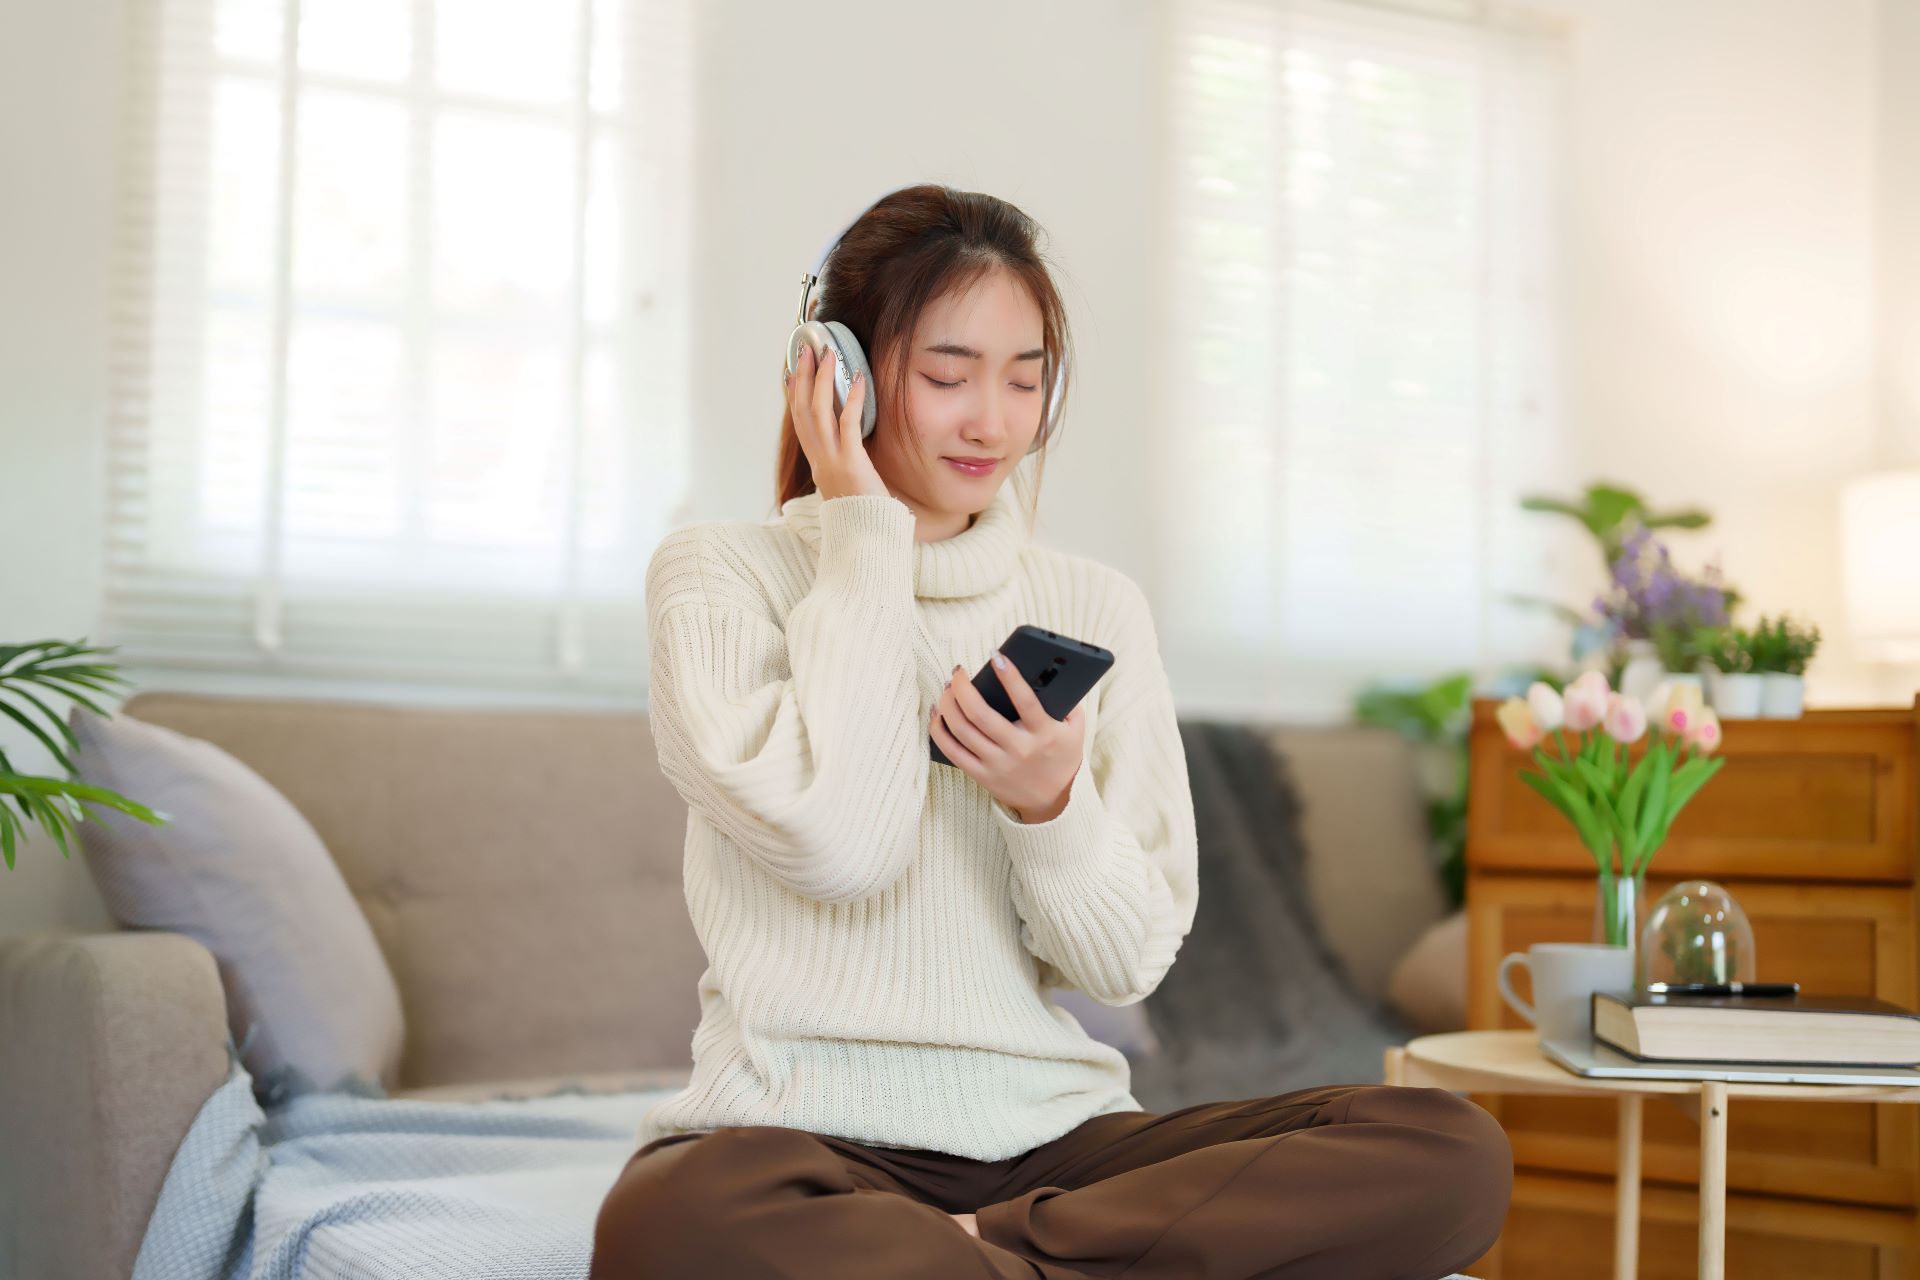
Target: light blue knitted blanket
x,y
332,1186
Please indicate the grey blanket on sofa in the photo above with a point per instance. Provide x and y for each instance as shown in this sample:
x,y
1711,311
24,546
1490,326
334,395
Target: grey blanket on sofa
x,y
1256,1003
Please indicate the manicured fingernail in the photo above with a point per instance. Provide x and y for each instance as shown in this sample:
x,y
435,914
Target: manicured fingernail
x,y
1000,661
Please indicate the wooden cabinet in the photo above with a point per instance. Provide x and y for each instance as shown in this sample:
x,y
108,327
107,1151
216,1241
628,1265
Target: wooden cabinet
x,y
1812,827
1561,1226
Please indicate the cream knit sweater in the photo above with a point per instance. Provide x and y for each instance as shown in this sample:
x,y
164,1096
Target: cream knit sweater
x,y
879,929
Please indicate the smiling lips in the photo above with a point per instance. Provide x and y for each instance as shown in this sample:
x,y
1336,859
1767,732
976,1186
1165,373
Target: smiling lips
x,y
974,466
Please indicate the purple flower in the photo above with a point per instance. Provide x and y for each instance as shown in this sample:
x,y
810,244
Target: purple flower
x,y
1649,595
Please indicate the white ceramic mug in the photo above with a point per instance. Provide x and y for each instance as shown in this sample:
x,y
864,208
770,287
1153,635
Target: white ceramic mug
x,y
1565,976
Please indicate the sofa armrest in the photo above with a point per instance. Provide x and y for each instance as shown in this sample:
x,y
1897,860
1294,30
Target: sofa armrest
x,y
109,1045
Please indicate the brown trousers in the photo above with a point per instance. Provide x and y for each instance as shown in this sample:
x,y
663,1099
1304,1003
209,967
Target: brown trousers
x,y
1340,1182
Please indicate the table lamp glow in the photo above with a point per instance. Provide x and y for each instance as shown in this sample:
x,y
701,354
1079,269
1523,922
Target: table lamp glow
x,y
1880,539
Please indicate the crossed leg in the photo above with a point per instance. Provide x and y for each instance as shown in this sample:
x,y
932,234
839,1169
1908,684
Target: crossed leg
x,y
1341,1181
763,1202
1330,1183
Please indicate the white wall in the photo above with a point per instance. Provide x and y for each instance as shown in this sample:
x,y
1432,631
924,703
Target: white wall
x,y
1897,265
1741,203
1002,96
1722,207
1898,232
58,66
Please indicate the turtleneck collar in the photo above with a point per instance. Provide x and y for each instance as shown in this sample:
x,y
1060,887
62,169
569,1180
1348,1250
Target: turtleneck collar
x,y
970,563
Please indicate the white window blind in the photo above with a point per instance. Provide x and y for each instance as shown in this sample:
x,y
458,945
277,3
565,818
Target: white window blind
x,y
399,385
1361,348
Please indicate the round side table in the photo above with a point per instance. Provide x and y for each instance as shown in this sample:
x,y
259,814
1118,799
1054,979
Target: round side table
x,y
1511,1062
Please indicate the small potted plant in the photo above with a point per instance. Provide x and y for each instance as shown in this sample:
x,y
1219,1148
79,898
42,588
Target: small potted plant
x,y
1782,647
1733,687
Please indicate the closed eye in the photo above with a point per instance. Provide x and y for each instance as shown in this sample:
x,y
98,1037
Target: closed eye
x,y
1018,386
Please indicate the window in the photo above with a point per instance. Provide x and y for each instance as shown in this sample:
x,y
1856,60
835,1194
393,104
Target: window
x,y
399,382
1360,375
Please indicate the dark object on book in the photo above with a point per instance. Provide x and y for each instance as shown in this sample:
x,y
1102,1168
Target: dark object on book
x,y
1824,1030
1724,988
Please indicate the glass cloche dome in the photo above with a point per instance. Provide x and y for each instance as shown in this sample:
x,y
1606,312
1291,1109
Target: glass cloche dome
x,y
1696,932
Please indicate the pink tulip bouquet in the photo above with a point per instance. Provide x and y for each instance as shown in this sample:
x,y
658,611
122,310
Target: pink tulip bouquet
x,y
1620,808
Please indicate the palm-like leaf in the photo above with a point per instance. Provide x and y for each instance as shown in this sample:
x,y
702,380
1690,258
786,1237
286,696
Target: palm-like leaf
x,y
56,804
1608,511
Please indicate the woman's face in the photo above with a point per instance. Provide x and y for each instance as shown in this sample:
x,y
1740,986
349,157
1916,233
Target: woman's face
x,y
973,391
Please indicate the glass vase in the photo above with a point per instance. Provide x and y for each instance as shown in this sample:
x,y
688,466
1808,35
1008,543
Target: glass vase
x,y
1619,912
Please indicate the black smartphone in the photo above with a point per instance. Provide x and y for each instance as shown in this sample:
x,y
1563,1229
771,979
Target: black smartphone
x,y
1059,668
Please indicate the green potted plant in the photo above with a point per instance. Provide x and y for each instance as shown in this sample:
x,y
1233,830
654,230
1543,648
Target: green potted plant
x,y
1782,647
1733,686
1610,512
28,671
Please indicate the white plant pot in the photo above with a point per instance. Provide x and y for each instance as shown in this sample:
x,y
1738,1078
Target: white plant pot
x,y
1782,695
1737,694
1643,671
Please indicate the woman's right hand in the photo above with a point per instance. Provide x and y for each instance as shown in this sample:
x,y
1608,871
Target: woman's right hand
x,y
835,449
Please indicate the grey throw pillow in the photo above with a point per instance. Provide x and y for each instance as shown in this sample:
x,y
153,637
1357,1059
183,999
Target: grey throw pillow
x,y
310,999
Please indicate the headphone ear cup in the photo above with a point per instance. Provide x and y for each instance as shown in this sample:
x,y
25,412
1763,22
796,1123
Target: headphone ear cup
x,y
853,359
825,335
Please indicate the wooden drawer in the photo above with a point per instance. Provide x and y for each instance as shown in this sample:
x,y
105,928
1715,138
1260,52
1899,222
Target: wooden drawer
x,y
1832,939
1560,1227
1829,797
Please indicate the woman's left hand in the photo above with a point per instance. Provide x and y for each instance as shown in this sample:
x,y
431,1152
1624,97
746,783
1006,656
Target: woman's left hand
x,y
1027,765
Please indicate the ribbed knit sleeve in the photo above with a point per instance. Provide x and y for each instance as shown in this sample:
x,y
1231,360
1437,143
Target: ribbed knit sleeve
x,y
806,746
1106,889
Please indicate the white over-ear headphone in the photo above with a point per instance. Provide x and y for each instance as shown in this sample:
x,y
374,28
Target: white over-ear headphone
x,y
850,358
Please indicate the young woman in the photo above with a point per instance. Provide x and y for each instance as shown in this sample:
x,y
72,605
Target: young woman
x,y
881,1085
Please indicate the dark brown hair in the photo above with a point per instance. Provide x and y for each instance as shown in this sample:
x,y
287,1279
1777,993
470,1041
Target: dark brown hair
x,y
909,248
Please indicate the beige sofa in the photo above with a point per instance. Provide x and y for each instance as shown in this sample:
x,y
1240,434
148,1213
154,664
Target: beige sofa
x,y
521,872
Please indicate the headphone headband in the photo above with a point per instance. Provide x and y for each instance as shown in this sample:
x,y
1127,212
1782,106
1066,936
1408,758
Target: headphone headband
x,y
807,282
810,281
